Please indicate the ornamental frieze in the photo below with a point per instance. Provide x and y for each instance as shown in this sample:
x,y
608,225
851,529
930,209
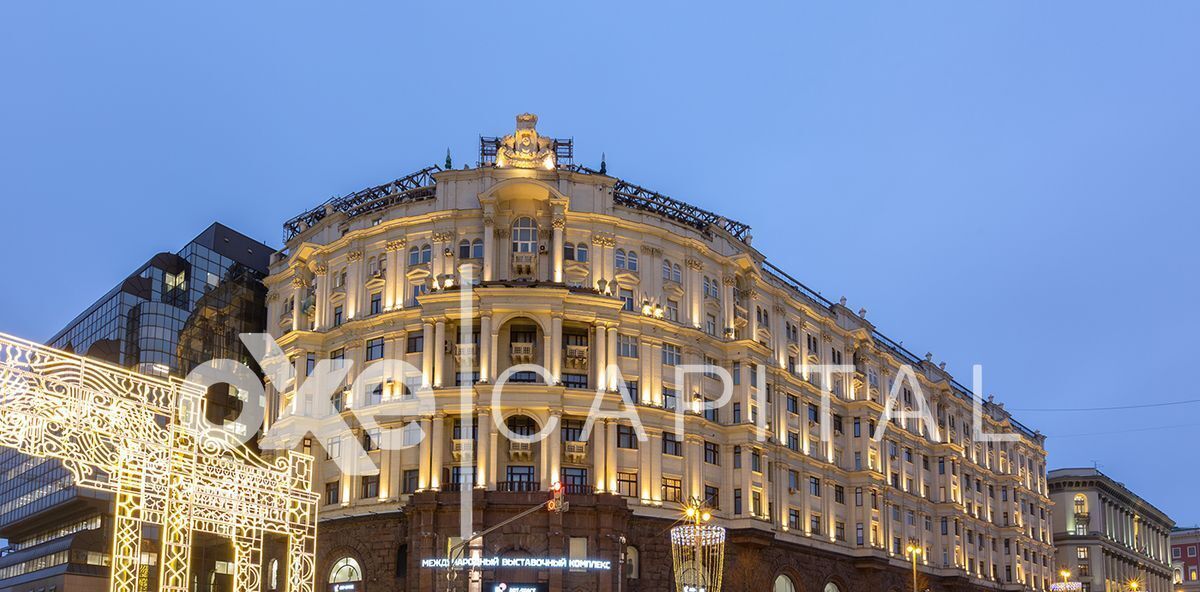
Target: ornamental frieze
x,y
396,244
354,256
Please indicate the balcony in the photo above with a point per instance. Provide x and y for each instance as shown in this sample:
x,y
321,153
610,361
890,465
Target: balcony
x,y
522,353
518,486
459,448
520,451
576,357
1082,518
575,452
523,265
465,353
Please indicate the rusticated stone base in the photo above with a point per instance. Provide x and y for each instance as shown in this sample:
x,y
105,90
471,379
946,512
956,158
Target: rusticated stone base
x,y
389,548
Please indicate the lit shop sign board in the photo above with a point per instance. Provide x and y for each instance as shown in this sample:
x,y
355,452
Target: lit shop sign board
x,y
518,562
1066,587
506,587
349,587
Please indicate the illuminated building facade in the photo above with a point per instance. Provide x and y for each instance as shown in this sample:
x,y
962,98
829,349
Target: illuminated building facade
x,y
1106,535
1185,559
176,311
582,272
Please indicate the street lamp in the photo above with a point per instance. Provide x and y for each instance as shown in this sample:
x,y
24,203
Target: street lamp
x,y
1134,585
914,550
1066,573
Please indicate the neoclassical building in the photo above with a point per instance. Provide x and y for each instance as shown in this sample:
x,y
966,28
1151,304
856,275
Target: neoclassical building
x,y
607,284
1108,536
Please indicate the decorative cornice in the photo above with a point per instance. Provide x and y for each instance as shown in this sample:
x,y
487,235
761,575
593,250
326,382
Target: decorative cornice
x,y
729,280
443,236
321,269
652,251
298,282
354,256
695,264
396,244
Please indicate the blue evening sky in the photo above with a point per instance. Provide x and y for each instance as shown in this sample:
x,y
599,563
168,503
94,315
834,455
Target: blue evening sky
x,y
1010,183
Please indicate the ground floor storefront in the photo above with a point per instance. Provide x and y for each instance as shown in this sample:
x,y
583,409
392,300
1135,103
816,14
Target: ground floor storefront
x,y
599,545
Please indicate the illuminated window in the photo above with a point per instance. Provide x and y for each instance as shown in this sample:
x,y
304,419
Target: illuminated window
x,y
345,570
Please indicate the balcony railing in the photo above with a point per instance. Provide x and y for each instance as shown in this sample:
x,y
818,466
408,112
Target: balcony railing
x,y
522,353
458,448
576,356
518,486
520,451
574,451
523,264
465,353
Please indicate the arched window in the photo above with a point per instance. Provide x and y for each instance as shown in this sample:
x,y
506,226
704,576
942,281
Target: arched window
x,y
371,265
464,249
581,253
273,575
524,236
831,587
631,260
783,584
477,249
426,254
676,273
1080,503
620,258
666,269
414,255
632,563
383,264
341,278
568,251
345,570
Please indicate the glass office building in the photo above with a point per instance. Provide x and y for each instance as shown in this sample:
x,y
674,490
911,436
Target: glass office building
x,y
175,312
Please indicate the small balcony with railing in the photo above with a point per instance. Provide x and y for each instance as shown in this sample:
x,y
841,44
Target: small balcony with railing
x,y
575,452
521,353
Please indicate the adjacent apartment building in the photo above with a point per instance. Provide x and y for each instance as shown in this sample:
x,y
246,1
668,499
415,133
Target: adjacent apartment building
x,y
1185,559
1108,537
174,312
611,286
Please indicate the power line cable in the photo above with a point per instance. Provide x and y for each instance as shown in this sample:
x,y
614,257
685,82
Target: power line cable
x,y
1112,408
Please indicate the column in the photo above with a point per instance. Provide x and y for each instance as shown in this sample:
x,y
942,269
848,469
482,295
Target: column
x,y
297,297
489,246
559,224
354,282
439,447
695,294
610,455
485,349
656,457
439,353
599,448
391,252
555,450
493,452
321,277
727,284
427,355
556,355
483,464
423,455
611,357
601,352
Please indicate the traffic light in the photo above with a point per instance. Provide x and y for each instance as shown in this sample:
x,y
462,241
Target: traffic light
x,y
557,501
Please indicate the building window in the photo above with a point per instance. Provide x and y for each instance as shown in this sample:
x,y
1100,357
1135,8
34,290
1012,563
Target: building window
x,y
575,381
376,303
627,484
411,477
345,570
627,346
672,311
338,314
371,439
672,489
332,491
632,563
626,299
671,444
374,349
671,355
626,437
712,453
524,235
416,343
370,487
